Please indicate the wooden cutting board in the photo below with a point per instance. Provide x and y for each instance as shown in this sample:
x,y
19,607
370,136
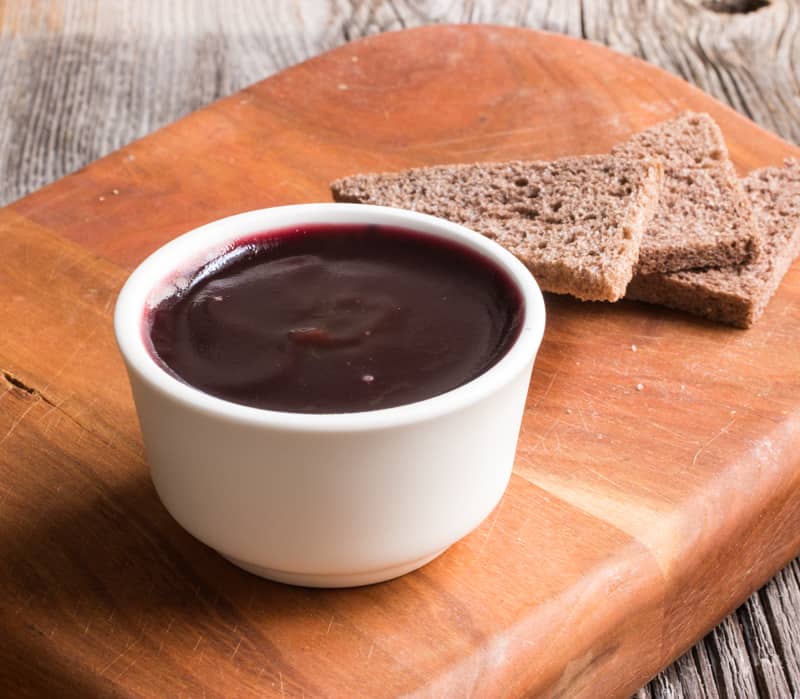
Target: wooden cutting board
x,y
635,520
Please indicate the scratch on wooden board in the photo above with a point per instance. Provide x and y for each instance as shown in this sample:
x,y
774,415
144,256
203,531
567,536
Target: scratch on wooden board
x,y
545,435
467,139
654,491
54,407
19,420
81,409
558,441
546,390
330,624
78,348
63,266
280,678
590,398
602,476
712,440
236,650
117,658
197,645
515,147
612,122
655,425
125,671
489,532
583,420
50,423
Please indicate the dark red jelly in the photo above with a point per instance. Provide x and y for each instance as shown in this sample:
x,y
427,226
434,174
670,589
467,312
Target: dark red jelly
x,y
337,319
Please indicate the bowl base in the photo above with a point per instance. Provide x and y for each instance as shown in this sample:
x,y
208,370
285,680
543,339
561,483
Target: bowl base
x,y
335,579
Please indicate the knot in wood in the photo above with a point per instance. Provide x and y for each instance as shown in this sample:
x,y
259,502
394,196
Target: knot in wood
x,y
733,7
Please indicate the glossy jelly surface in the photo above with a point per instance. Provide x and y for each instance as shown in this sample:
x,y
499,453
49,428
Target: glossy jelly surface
x,y
337,319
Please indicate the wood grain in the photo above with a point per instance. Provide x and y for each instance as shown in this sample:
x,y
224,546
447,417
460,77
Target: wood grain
x,y
615,546
82,78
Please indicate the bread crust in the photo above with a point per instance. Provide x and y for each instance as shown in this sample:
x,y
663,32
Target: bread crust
x,y
703,218
738,294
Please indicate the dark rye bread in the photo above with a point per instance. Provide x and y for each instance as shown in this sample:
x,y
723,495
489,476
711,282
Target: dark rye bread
x,y
738,295
576,222
703,218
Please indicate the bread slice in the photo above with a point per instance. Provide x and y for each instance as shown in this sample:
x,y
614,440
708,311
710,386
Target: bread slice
x,y
703,218
576,222
738,295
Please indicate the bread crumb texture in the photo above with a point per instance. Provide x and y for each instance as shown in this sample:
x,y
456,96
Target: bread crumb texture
x,y
738,294
703,218
577,222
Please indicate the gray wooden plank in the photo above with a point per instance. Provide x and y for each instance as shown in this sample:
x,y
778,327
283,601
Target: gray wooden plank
x,y
82,77
762,649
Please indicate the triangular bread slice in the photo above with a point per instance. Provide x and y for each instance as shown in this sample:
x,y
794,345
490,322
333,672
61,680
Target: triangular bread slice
x,y
738,295
576,222
703,218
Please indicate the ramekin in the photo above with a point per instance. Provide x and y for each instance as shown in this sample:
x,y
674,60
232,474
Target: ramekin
x,y
325,500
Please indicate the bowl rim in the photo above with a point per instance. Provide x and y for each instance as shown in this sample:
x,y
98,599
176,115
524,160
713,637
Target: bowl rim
x,y
189,251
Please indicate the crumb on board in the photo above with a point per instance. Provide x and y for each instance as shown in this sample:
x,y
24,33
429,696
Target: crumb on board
x,y
634,348
639,386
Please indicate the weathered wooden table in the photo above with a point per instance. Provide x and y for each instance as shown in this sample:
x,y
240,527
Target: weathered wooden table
x,y
78,79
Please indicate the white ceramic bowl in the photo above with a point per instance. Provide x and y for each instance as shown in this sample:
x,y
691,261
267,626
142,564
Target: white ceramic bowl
x,y
336,499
